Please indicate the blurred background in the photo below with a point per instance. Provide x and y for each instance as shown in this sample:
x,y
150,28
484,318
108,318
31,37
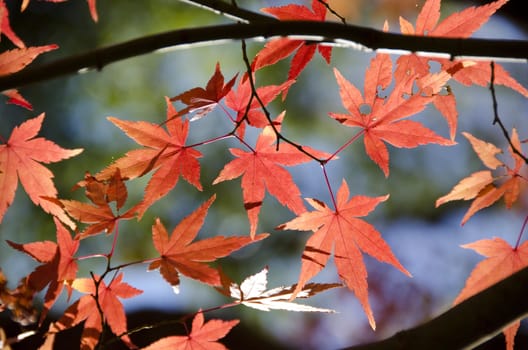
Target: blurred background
x,y
425,239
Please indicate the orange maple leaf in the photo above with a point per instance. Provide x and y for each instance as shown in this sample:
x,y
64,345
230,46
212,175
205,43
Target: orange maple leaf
x,y
202,336
261,169
87,309
93,10
279,49
502,261
100,215
381,120
5,27
17,99
165,153
19,159
341,230
179,255
14,60
480,187
204,100
59,265
458,25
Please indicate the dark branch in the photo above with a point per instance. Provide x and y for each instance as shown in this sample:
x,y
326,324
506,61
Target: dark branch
x,y
330,32
468,324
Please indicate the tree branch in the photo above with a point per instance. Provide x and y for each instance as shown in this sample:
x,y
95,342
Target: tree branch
x,y
361,38
468,324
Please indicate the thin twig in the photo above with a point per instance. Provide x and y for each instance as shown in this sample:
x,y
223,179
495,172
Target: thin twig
x,y
332,11
496,118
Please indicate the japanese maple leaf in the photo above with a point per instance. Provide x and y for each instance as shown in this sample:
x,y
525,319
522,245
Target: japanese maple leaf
x,y
14,60
202,336
202,100
59,265
261,169
17,99
480,187
178,254
100,215
239,99
87,309
165,152
5,27
502,260
279,49
381,120
458,25
19,159
348,236
252,293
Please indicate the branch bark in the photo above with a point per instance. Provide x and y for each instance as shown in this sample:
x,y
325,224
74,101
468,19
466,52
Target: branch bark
x,y
362,38
468,324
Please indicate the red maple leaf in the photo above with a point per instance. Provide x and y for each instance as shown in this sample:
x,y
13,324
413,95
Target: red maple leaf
x,y
59,265
279,49
480,186
19,159
13,61
348,236
381,119
502,261
5,27
179,255
100,215
17,99
93,10
202,336
87,309
204,100
261,169
165,152
458,25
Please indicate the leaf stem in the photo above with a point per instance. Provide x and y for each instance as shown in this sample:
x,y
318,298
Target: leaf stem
x,y
122,266
214,139
114,242
348,143
323,166
180,320
521,233
92,256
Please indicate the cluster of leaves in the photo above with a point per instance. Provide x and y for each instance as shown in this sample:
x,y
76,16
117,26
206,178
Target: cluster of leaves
x,y
165,156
